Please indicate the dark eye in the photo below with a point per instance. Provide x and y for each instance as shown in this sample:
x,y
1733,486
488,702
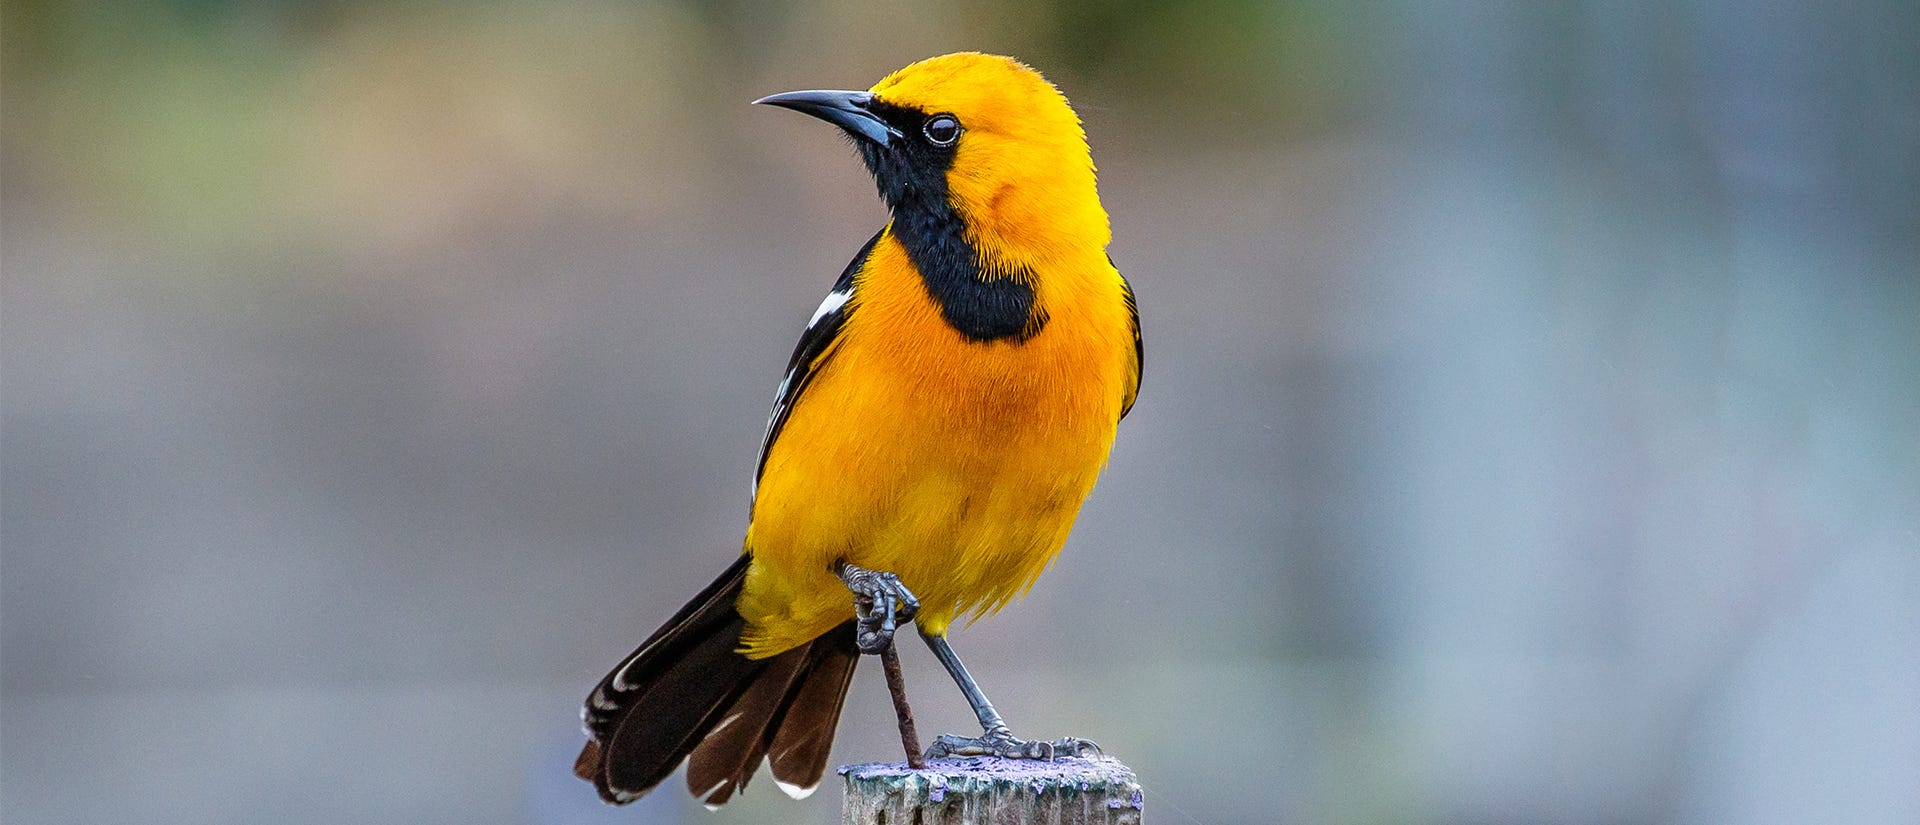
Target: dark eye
x,y
942,130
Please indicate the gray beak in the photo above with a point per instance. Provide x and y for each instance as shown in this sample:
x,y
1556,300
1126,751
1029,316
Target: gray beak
x,y
847,110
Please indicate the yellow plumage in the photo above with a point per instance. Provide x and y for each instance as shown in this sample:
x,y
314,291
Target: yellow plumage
x,y
947,411
957,465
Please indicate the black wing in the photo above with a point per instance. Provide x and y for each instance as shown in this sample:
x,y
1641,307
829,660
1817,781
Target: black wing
x,y
816,344
1139,346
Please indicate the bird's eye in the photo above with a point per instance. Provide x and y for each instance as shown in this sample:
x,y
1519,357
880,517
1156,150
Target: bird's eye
x,y
942,130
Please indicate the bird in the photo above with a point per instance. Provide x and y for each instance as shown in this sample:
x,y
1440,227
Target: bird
x,y
947,410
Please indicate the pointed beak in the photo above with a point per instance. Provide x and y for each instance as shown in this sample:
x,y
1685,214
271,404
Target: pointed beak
x,y
847,110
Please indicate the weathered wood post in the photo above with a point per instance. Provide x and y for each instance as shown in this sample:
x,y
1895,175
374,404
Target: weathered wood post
x,y
991,791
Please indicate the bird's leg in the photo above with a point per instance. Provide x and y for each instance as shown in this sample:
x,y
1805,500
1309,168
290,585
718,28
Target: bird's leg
x,y
880,603
997,739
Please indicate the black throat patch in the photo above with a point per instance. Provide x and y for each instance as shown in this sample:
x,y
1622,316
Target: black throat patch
x,y
984,300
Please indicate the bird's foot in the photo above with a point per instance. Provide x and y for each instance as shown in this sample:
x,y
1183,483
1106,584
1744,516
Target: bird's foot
x,y
1000,742
880,604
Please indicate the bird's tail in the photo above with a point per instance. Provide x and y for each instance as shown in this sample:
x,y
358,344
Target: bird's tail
x,y
687,693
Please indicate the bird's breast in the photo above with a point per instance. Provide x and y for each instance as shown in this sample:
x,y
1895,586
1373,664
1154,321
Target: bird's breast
x,y
1045,387
957,464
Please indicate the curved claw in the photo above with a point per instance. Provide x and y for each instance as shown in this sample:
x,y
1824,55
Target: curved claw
x,y
880,604
1075,746
1002,743
875,623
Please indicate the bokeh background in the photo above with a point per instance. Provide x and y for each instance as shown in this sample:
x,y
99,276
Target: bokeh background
x,y
1529,433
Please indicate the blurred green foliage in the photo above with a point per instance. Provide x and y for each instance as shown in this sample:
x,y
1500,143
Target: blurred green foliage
x,y
1211,63
281,119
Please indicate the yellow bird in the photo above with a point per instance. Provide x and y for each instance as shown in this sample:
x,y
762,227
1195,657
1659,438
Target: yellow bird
x,y
942,419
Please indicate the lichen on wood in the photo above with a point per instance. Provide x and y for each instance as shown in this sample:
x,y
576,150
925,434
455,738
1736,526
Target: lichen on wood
x,y
992,791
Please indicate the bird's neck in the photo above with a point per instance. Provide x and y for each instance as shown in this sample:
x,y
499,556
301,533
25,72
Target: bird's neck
x,y
984,295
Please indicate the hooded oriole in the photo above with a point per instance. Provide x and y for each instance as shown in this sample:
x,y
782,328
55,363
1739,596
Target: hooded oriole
x,y
946,412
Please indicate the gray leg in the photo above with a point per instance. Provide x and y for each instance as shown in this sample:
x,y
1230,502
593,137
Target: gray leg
x,y
880,604
997,739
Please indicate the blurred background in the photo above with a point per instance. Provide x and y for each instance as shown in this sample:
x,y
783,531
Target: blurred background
x,y
1531,427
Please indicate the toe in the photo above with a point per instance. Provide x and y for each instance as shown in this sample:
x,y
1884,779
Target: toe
x,y
1075,746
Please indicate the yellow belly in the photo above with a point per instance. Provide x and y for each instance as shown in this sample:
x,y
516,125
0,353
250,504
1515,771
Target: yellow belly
x,y
957,466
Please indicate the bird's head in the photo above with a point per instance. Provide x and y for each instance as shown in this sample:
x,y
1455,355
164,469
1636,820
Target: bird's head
x,y
979,139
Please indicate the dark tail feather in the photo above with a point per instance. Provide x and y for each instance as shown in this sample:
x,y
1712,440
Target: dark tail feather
x,y
685,691
800,738
723,762
651,710
798,698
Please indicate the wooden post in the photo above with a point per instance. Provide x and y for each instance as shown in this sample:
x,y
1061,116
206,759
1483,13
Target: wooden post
x,y
990,791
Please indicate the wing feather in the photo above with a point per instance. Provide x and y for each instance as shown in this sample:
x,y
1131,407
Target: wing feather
x,y
816,345
1139,345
